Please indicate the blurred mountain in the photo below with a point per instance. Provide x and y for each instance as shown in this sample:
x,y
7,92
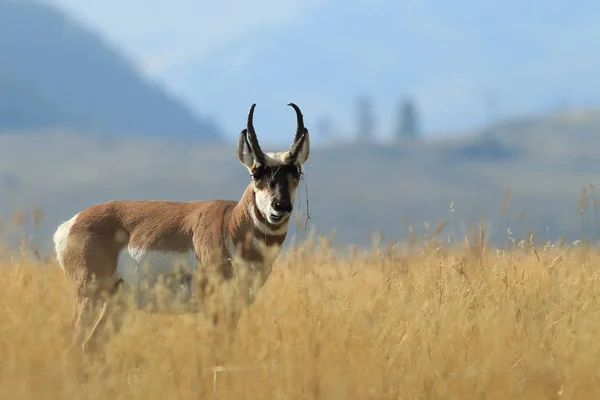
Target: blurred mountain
x,y
56,73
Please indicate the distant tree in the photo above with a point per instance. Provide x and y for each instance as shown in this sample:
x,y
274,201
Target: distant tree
x,y
324,126
408,120
365,120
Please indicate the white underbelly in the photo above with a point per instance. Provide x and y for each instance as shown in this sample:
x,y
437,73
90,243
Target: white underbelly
x,y
157,277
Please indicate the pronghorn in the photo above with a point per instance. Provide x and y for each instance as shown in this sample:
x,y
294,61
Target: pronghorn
x,y
209,236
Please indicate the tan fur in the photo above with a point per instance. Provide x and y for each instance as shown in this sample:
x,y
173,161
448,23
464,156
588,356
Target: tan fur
x,y
219,233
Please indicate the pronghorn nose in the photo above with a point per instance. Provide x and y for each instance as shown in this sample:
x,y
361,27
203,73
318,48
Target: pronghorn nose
x,y
282,206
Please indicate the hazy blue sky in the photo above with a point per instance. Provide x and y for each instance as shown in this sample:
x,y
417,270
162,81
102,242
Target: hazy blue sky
x,y
222,56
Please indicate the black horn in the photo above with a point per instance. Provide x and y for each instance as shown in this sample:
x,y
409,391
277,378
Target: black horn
x,y
300,118
258,153
300,131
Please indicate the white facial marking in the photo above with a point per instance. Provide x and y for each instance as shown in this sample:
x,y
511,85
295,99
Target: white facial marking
x,y
61,239
263,201
262,227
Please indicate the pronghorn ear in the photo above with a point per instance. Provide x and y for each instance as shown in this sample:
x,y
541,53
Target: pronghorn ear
x,y
244,151
303,150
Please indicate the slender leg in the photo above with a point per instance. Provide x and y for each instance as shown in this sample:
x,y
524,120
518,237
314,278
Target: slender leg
x,y
99,308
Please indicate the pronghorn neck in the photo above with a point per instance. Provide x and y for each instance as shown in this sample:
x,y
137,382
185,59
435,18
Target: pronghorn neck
x,y
250,232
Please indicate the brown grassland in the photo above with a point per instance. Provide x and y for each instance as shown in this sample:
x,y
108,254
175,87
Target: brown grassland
x,y
432,321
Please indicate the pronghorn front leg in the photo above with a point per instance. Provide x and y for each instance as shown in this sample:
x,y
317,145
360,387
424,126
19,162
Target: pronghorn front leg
x,y
214,290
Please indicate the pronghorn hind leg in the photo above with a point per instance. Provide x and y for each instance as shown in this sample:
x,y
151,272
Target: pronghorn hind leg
x,y
92,264
99,309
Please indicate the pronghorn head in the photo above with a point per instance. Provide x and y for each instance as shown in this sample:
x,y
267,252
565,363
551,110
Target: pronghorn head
x,y
275,176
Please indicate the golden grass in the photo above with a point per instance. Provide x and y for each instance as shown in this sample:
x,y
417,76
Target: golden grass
x,y
448,323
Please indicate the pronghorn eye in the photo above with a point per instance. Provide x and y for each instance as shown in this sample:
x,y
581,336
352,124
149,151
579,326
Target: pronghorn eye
x,y
257,174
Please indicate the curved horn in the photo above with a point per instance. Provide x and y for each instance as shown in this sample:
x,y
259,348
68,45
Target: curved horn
x,y
300,118
251,135
300,131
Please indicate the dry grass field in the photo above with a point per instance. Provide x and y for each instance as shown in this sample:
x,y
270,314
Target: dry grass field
x,y
434,321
